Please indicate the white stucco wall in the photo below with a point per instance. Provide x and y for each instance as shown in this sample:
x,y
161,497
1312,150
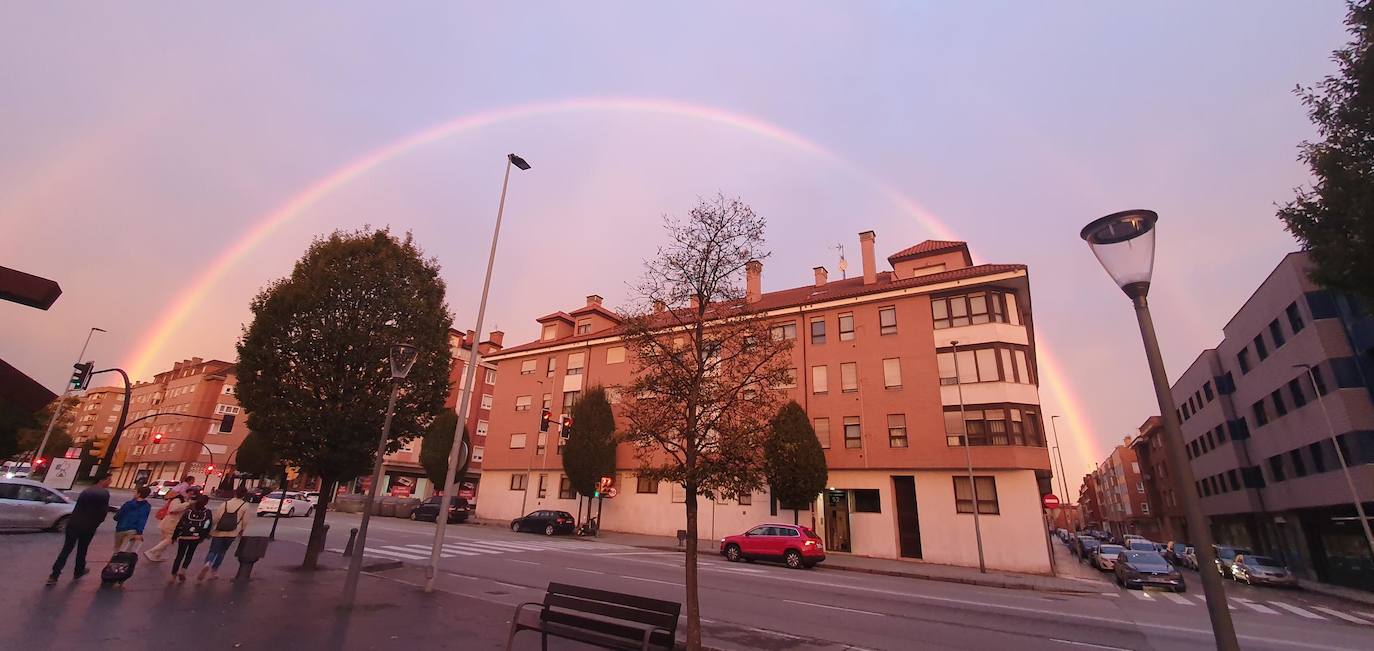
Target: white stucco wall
x,y
1013,540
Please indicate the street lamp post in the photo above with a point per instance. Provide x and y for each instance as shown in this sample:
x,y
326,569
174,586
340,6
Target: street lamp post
x,y
61,402
1063,474
470,376
1124,243
968,458
402,358
1331,431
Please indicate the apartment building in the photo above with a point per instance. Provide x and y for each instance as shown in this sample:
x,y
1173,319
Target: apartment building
x,y
876,371
1252,420
1089,502
1167,511
1122,503
403,475
194,408
97,416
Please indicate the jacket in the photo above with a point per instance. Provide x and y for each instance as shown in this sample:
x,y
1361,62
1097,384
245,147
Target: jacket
x,y
169,524
132,516
92,506
237,507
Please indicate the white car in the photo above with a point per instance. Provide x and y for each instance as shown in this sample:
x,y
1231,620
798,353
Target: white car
x,y
295,503
164,487
27,504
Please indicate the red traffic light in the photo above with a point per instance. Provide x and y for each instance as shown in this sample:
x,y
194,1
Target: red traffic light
x,y
544,419
210,468
39,461
157,438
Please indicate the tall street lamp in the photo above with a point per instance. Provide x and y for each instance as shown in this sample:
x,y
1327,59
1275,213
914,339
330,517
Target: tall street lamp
x,y
1331,431
402,359
968,459
470,376
1063,474
1124,243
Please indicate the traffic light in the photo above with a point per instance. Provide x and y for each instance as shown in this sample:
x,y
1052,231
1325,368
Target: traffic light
x,y
603,486
209,469
100,447
544,421
157,438
81,375
567,426
39,462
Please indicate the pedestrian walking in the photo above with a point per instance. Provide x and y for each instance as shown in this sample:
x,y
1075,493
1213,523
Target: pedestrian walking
x,y
229,524
193,527
130,519
92,506
168,516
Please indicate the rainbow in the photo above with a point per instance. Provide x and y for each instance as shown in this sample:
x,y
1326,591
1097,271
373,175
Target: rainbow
x,y
149,349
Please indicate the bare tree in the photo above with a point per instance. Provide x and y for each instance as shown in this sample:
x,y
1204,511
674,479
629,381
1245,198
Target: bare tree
x,y
707,367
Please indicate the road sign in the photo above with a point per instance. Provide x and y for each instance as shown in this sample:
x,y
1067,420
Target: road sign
x,y
62,474
1050,501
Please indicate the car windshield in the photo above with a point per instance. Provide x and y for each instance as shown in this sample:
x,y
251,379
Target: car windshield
x,y
1263,561
1109,550
1142,545
1145,558
1090,542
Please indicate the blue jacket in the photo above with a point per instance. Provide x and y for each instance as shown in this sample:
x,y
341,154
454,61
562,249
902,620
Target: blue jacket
x,y
132,516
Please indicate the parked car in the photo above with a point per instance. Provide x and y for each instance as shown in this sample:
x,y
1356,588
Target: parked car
x,y
1105,557
292,502
14,470
1141,545
1264,570
546,522
1086,546
1138,569
164,487
27,504
794,545
255,495
458,510
1226,555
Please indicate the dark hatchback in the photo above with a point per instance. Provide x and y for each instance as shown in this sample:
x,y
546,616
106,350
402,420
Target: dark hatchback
x,y
545,522
1141,569
458,510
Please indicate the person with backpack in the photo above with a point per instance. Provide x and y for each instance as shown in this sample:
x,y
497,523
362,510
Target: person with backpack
x,y
130,519
229,524
168,516
192,528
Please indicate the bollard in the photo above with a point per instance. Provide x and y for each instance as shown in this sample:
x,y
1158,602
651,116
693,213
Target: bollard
x,y
682,539
348,549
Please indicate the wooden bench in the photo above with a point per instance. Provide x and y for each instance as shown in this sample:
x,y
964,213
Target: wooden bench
x,y
611,620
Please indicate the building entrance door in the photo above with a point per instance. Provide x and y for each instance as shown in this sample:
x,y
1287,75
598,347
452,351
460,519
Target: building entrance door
x,y
837,520
908,519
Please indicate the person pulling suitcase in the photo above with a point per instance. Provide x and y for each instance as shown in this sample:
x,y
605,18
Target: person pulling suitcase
x,y
130,519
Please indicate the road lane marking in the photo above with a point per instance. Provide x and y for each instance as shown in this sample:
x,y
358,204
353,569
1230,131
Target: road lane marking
x,y
1341,615
1088,644
396,553
578,569
1143,595
848,610
1257,607
516,560
786,636
1177,598
467,550
446,550
640,578
1297,611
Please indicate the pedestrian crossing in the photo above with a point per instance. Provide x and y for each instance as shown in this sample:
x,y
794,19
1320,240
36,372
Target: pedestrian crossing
x,y
1238,604
459,547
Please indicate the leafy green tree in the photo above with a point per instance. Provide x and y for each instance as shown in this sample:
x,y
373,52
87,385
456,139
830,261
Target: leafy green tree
x,y
314,364
12,420
436,445
31,434
590,452
1334,218
257,456
795,460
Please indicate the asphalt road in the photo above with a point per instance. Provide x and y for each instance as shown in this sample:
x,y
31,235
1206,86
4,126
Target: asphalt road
x,y
764,606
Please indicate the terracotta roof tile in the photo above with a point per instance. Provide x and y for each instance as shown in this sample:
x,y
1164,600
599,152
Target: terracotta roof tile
x,y
928,246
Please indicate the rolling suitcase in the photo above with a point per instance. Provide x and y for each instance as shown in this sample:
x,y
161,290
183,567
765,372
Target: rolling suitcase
x,y
120,568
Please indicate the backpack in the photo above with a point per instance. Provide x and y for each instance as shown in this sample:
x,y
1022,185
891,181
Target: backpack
x,y
230,520
195,522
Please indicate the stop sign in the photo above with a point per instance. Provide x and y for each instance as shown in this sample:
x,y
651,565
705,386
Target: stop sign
x,y
1050,501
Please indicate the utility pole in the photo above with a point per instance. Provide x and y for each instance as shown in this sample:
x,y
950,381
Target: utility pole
x,y
62,400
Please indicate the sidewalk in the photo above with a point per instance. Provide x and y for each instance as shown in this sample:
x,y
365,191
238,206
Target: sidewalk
x,y
886,566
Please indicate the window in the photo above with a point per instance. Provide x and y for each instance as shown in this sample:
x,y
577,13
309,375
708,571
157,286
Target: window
x,y
565,490
646,485
1279,408
847,326
1276,333
547,401
481,428
1145,508
972,309
789,380
820,382
584,326
570,399
892,373
1294,318
615,355
745,499
478,452
527,367
986,494
1318,460
867,500
1261,416
549,332
896,430
553,366
1295,389
887,321
945,361
519,481
1276,467
1319,383
1207,390
1260,348
523,403
822,427
1221,434
1140,487
849,377
543,486
1022,366
1234,479
817,331
784,331
491,376
1243,358
486,401
1299,468
575,362
853,438
541,442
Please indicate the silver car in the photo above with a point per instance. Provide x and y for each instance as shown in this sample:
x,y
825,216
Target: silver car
x,y
27,504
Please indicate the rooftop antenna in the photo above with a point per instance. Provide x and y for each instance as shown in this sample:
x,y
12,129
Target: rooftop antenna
x,y
844,264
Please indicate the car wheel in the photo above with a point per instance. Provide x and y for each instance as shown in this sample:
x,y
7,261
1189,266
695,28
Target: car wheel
x,y
515,526
309,511
549,530
414,517
793,559
291,512
732,553
60,525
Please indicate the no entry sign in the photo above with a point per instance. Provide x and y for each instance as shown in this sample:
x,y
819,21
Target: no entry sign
x,y
1050,501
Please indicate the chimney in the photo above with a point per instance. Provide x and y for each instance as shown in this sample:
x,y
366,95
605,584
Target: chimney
x,y
469,337
593,300
754,283
821,276
659,306
870,266
694,302
496,337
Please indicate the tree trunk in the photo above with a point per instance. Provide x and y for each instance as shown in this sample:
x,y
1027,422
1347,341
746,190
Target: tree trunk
x,y
796,513
317,532
693,603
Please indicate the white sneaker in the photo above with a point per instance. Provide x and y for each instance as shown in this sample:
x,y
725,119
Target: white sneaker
x,y
151,559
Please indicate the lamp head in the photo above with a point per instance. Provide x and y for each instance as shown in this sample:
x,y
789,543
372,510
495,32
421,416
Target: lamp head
x,y
403,357
1124,242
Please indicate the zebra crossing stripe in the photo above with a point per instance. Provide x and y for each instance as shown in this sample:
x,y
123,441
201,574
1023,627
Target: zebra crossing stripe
x,y
1341,615
500,544
1257,607
1144,595
1230,602
1178,599
395,553
470,550
446,553
1296,610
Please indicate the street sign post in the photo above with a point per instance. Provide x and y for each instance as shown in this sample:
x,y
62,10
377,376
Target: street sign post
x,y
1050,501
62,474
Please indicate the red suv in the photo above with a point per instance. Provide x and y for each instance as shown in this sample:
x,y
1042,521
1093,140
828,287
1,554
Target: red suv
x,y
796,546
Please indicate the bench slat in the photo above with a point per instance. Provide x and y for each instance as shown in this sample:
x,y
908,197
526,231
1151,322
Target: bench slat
x,y
621,630
642,603
617,611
